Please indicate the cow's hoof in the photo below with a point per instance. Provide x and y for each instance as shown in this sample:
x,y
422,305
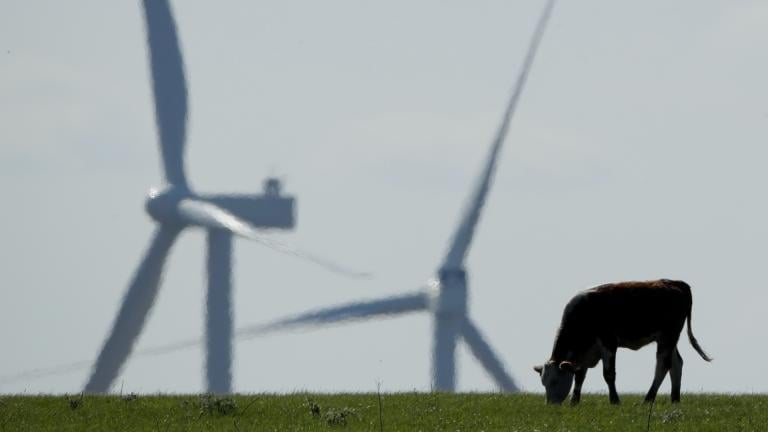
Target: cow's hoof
x,y
575,402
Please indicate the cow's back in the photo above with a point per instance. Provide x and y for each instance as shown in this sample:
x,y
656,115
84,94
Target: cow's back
x,y
636,313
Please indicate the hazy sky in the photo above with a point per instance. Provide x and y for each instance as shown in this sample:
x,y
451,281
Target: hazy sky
x,y
638,152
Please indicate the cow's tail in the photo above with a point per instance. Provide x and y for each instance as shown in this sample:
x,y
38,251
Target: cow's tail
x,y
691,338
694,342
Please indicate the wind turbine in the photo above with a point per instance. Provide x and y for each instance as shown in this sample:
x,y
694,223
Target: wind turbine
x,y
445,297
177,207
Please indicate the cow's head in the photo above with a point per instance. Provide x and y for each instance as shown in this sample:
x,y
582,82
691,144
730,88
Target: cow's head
x,y
557,378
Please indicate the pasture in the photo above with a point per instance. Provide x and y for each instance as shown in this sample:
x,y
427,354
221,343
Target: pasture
x,y
372,412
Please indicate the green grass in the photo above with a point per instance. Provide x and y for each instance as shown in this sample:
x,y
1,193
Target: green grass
x,y
360,412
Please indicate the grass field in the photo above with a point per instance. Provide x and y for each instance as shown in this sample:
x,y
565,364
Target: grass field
x,y
368,412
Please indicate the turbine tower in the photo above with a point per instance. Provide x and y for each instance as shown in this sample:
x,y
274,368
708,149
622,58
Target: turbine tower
x,y
445,297
177,207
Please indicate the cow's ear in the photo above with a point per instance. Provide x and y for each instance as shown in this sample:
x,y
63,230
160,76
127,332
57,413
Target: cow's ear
x,y
538,369
567,366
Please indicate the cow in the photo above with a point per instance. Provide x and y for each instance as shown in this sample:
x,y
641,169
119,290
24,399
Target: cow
x,y
630,315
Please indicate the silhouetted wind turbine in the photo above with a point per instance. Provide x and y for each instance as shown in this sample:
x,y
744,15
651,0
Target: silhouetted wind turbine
x,y
177,207
445,297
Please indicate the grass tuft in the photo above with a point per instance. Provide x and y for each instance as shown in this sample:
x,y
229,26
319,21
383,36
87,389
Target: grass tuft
x,y
339,417
75,403
129,397
314,408
223,406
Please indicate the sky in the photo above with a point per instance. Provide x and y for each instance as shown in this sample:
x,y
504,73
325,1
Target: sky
x,y
637,152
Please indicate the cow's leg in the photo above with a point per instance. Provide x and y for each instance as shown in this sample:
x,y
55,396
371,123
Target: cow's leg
x,y
664,354
609,372
675,375
579,378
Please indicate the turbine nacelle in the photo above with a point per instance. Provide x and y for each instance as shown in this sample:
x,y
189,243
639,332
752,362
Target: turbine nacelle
x,y
177,205
448,294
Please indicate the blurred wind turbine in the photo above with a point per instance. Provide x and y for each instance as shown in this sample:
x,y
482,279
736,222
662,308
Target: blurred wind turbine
x,y
445,297
177,207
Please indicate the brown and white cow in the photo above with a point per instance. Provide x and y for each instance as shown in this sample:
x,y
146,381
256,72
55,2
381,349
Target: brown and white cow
x,y
627,314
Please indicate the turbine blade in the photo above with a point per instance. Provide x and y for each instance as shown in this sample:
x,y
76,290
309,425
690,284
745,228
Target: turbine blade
x,y
37,373
169,87
396,305
462,238
133,312
391,306
484,353
206,214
